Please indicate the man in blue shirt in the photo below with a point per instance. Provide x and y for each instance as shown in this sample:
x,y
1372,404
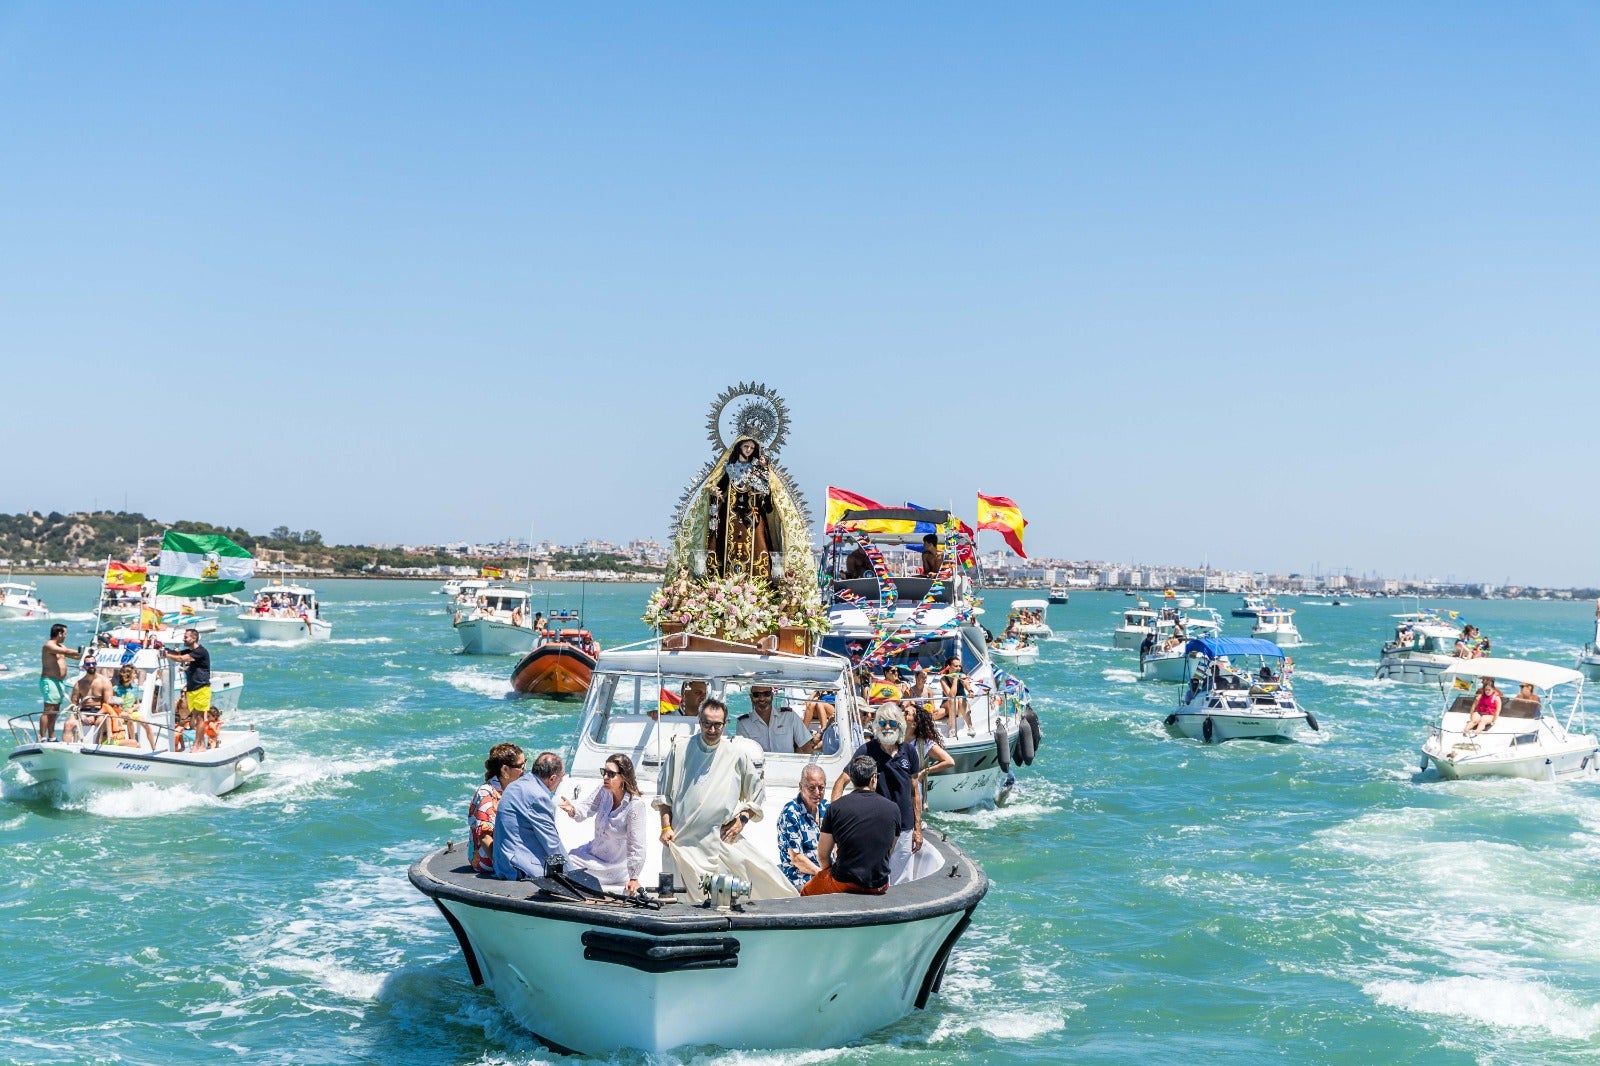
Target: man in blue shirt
x,y
525,836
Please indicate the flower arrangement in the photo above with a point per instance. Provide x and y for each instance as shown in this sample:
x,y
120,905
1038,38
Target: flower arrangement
x,y
733,608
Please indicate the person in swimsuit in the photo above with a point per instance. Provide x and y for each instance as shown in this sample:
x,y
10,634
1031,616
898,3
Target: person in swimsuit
x,y
1485,709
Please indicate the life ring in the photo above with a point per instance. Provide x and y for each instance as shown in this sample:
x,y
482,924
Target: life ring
x,y
1208,729
1002,745
1025,748
1311,720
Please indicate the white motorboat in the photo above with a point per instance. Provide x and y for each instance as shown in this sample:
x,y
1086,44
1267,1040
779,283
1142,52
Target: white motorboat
x,y
1589,658
1528,739
1059,594
1019,652
1421,650
465,594
499,622
1222,700
286,613
21,601
931,622
93,762
1138,623
1277,625
551,949
1163,655
1250,605
1028,618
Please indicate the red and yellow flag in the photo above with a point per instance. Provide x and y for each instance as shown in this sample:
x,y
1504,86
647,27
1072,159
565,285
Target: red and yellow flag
x,y
670,701
493,572
125,577
840,501
1001,515
149,618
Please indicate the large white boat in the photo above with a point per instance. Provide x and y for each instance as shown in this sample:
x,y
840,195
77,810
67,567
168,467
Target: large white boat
x,y
1589,658
1059,594
1277,625
499,622
463,592
923,620
287,613
92,762
1028,618
1528,739
1163,655
1233,692
1019,651
21,601
552,949
1421,650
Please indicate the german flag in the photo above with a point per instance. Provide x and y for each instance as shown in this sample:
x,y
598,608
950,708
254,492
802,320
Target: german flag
x,y
1001,515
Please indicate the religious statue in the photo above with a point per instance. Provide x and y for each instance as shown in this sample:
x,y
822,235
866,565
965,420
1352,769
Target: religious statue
x,y
741,530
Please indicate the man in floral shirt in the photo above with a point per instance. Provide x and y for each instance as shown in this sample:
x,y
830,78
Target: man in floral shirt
x,y
800,825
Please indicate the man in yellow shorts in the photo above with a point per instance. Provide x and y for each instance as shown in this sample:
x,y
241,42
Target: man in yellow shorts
x,y
197,680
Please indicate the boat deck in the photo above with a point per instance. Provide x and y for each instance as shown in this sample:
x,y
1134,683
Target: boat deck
x,y
959,885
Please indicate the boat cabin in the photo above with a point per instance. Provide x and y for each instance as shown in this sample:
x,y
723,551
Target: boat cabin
x,y
1235,671
285,600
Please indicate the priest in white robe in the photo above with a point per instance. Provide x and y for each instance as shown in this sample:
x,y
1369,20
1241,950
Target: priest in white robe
x,y
710,789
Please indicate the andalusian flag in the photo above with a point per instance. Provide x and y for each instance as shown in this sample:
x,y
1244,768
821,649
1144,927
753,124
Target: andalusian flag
x,y
195,564
840,501
1000,514
125,577
670,701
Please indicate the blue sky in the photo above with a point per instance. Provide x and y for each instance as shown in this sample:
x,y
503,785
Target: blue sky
x,y
1271,285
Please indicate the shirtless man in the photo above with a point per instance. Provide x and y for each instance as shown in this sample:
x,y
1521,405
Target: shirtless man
x,y
91,693
53,679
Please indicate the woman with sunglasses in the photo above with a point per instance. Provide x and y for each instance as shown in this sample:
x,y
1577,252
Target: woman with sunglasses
x,y
504,765
616,854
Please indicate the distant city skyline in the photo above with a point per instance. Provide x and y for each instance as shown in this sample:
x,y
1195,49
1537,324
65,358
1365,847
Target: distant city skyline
x,y
1269,287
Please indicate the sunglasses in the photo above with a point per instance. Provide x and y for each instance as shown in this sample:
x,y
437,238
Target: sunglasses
x,y
523,765
713,726
609,773
761,695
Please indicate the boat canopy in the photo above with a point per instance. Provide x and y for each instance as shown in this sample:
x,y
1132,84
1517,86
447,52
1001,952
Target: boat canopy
x,y
896,525
1216,647
1031,604
814,671
1539,675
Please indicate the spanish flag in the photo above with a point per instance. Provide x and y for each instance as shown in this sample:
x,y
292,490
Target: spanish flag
x,y
1001,515
493,572
670,701
149,618
840,501
125,577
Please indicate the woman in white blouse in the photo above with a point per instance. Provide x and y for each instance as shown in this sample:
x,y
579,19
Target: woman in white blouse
x,y
616,853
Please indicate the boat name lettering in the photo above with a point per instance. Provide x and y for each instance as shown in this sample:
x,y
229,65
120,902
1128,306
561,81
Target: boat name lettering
x,y
137,767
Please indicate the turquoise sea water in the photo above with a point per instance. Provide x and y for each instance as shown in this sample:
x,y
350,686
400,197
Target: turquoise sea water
x,y
1152,897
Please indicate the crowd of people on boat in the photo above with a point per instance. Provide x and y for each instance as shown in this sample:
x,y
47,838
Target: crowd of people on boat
x,y
282,605
108,708
860,835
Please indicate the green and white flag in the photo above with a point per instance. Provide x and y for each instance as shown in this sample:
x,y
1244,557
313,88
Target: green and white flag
x,y
202,565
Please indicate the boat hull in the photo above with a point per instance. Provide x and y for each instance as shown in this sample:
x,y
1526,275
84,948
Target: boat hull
x,y
847,965
1128,638
1236,725
553,669
1282,636
1026,655
284,630
18,611
1417,669
977,779
482,636
1164,668
1545,764
75,769
1589,666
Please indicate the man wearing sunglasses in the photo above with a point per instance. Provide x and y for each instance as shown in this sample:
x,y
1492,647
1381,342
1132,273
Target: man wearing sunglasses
x,y
898,769
779,731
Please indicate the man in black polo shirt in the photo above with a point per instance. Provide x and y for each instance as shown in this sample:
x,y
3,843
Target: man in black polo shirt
x,y
898,767
858,833
196,688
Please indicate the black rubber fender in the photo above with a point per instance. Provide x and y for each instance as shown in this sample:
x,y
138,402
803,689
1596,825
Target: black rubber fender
x,y
1171,721
1208,730
1025,748
1424,767
1033,726
1002,745
1311,720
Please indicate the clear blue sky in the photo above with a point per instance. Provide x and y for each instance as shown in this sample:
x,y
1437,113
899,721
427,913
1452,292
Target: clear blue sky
x,y
1273,285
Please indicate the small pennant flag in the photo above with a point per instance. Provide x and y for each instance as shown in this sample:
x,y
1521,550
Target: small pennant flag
x,y
201,564
1463,684
1001,515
